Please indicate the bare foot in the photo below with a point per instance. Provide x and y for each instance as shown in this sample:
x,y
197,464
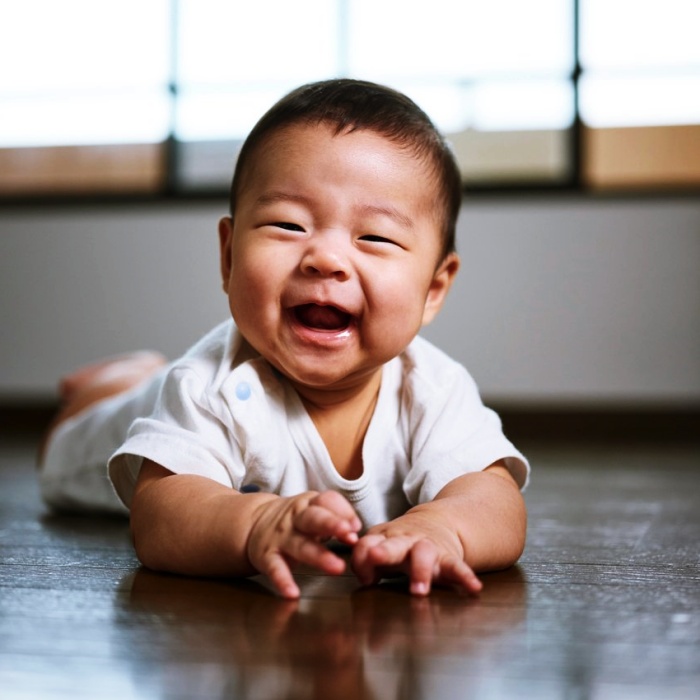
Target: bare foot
x,y
101,380
109,376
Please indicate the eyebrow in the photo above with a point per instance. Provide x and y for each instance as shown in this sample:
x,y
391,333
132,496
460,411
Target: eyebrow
x,y
272,197
389,212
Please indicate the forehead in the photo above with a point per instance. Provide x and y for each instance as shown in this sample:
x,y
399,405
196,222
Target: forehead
x,y
308,144
316,157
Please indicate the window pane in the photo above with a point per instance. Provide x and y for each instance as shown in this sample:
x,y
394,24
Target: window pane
x,y
449,105
460,40
524,104
640,101
232,70
640,93
72,45
83,72
229,43
640,34
494,77
203,115
495,105
97,118
641,62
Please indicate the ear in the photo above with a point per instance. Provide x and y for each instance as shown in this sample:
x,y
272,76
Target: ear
x,y
439,287
225,243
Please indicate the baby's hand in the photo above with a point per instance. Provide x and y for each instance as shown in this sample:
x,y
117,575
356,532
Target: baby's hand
x,y
424,554
292,530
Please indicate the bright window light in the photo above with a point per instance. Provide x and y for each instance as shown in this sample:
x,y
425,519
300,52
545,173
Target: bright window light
x,y
641,61
640,35
74,45
217,116
225,44
106,119
86,72
83,72
399,39
640,101
449,106
523,105
516,105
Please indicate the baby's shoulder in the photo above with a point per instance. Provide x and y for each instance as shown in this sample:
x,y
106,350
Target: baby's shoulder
x,y
424,364
206,364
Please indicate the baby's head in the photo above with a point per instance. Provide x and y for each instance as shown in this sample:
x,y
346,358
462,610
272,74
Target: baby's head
x,y
349,105
340,243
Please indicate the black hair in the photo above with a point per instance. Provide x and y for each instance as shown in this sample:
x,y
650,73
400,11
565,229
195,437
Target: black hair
x,y
350,105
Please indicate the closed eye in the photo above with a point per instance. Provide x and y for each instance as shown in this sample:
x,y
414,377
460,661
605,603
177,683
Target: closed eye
x,y
371,238
287,226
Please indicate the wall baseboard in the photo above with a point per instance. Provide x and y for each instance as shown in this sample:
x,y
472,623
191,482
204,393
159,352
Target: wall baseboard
x,y
551,423
602,423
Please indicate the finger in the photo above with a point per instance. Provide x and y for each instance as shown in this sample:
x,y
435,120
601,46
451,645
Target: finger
x,y
338,504
391,551
458,573
334,501
307,551
277,570
317,521
362,565
383,556
423,566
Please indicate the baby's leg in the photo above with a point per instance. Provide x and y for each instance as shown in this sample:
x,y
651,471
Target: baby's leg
x,y
100,402
95,382
108,377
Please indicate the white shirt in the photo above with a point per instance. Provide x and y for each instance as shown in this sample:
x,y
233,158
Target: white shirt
x,y
233,418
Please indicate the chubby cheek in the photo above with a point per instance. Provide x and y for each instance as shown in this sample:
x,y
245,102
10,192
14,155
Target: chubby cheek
x,y
252,274
247,299
396,317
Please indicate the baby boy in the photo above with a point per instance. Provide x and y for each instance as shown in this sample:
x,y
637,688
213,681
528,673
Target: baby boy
x,y
316,413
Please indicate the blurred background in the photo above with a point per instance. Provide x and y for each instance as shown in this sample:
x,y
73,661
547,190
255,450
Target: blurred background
x,y
576,124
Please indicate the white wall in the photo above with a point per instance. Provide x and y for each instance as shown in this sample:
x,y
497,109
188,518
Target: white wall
x,y
559,300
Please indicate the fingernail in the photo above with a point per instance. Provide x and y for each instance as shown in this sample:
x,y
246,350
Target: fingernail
x,y
290,592
419,588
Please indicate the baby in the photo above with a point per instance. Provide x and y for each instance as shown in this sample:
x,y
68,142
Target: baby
x,y
317,413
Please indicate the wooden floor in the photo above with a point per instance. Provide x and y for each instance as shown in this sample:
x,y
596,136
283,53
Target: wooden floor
x,y
604,604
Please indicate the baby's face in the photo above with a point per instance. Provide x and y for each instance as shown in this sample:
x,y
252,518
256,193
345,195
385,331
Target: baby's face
x,y
330,263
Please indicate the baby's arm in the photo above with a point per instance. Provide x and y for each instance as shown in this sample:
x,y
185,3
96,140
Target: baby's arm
x,y
192,525
477,522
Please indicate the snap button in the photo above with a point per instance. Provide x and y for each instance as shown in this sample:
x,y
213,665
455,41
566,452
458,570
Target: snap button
x,y
243,391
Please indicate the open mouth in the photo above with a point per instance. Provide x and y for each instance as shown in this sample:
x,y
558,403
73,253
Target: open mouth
x,y
322,318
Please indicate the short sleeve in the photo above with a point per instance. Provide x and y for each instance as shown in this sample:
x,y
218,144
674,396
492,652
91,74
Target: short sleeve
x,y
185,433
450,431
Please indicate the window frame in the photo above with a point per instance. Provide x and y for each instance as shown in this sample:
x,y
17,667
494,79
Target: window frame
x,y
578,179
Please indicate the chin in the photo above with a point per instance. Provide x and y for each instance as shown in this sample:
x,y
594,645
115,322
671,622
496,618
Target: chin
x,y
316,380
331,381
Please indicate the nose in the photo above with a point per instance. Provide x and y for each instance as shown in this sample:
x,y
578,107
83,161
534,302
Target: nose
x,y
326,257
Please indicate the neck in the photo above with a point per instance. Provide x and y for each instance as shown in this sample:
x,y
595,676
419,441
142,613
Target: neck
x,y
342,418
321,400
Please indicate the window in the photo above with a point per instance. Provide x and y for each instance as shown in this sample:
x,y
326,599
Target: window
x,y
640,93
152,97
84,101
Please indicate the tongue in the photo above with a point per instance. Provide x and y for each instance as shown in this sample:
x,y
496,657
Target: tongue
x,y
326,318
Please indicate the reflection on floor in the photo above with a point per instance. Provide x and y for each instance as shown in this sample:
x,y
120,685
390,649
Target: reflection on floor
x,y
605,603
